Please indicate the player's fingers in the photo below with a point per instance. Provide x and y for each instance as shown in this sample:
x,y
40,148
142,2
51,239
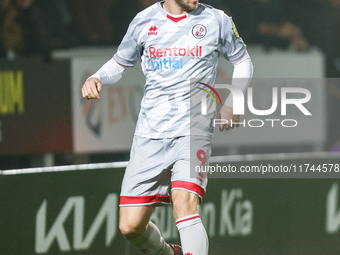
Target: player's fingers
x,y
87,94
82,92
237,120
94,88
223,125
99,88
227,126
89,90
94,91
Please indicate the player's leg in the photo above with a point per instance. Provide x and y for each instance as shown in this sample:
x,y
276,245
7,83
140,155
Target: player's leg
x,y
194,239
135,225
145,185
133,220
188,189
184,203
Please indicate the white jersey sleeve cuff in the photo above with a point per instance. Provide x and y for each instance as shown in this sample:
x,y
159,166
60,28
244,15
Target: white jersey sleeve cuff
x,y
243,72
110,72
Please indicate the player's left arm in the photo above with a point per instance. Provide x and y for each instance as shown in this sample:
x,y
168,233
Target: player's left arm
x,y
242,74
233,49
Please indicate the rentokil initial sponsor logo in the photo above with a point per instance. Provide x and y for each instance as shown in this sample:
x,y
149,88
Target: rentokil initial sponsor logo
x,y
163,58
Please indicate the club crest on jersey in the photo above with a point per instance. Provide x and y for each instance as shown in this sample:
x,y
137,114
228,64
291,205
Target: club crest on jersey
x,y
152,30
199,31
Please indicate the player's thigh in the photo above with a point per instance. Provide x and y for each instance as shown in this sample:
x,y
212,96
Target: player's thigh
x,y
148,176
133,219
193,151
184,203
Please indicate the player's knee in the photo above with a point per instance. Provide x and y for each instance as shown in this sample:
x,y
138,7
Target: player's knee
x,y
184,204
130,231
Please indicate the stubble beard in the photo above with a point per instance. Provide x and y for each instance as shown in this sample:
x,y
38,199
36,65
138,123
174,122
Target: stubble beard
x,y
187,7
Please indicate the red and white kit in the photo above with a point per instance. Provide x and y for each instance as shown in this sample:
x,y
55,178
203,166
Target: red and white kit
x,y
173,49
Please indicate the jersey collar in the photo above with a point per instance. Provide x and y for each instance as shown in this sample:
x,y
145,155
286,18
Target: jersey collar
x,y
177,18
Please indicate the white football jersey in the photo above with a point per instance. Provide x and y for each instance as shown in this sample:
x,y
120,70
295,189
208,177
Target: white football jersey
x,y
173,50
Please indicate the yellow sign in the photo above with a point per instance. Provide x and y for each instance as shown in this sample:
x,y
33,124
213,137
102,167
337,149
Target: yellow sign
x,y
11,92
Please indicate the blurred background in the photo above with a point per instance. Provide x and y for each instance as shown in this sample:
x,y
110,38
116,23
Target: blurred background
x,y
41,40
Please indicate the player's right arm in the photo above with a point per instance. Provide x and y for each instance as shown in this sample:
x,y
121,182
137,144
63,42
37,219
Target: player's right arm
x,y
109,73
128,52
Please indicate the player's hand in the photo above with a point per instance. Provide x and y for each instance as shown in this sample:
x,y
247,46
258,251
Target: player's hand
x,y
226,113
91,88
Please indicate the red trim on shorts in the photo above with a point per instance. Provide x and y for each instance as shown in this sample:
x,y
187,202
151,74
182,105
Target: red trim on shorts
x,y
191,218
188,186
127,200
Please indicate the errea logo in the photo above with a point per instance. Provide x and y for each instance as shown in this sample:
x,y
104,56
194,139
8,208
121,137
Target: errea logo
x,y
152,30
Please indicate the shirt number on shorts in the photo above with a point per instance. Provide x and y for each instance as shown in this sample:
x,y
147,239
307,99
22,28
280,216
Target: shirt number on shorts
x,y
202,156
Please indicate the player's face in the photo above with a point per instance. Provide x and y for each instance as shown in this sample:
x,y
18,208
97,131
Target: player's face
x,y
187,5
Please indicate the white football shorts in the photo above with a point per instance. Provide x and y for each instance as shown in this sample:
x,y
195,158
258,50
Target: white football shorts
x,y
157,164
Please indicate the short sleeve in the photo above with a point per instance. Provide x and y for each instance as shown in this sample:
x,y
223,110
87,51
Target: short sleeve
x,y
232,46
129,50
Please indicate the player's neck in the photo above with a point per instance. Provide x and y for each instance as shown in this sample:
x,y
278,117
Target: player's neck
x,y
173,8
